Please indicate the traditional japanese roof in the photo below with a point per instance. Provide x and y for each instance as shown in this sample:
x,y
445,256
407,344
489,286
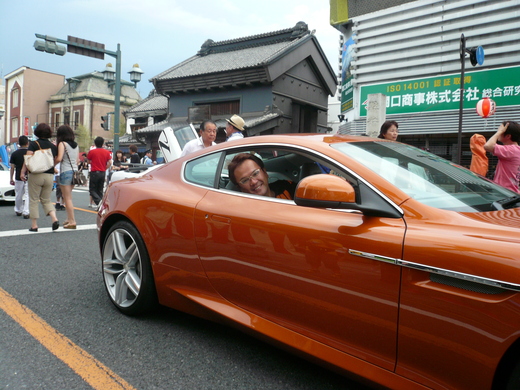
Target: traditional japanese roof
x,y
152,105
242,61
250,122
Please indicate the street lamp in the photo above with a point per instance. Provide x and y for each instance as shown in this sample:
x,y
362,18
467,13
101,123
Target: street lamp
x,y
135,74
109,74
476,55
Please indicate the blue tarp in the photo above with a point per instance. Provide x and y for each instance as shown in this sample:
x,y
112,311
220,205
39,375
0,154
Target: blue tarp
x,y
4,155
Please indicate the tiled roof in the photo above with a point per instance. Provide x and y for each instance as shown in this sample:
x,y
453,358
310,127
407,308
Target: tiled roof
x,y
153,103
94,83
241,53
250,122
159,126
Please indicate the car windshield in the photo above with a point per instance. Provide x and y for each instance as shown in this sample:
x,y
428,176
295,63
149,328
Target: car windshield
x,y
428,178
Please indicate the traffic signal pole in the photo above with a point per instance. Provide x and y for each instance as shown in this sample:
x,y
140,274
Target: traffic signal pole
x,y
90,49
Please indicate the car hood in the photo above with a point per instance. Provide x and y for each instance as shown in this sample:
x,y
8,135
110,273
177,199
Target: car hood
x,y
508,218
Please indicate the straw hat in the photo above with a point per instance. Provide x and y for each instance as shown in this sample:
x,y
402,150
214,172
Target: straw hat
x,y
237,122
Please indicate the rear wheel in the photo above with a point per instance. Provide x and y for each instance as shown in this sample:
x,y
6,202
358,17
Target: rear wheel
x,y
127,271
514,380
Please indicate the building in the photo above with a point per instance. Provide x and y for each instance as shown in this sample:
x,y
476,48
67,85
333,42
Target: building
x,y
26,94
148,112
84,99
279,82
2,112
409,51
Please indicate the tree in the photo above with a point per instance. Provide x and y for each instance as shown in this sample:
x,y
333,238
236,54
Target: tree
x,y
83,138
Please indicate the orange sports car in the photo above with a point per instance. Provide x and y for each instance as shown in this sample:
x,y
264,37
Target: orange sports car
x,y
374,257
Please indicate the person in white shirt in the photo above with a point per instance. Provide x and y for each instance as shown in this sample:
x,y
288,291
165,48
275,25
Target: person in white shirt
x,y
234,128
208,133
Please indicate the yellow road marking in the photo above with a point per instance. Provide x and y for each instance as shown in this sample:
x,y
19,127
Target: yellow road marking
x,y
82,363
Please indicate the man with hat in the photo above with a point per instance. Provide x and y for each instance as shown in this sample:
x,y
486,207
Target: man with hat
x,y
234,128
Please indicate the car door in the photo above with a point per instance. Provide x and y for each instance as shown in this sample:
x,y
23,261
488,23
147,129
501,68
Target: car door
x,y
320,272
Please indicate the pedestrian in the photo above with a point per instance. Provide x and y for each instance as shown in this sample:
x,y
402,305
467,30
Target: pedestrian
x,y
479,161
83,167
147,158
40,184
21,202
100,160
60,203
68,152
117,164
507,172
134,157
234,128
207,132
389,130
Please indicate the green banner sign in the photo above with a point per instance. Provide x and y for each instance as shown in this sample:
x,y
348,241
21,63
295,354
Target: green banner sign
x,y
443,92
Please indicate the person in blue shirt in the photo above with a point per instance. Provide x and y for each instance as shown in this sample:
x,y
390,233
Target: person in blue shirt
x,y
147,159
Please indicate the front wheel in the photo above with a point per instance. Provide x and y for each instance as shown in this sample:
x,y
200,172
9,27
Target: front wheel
x,y
514,379
127,271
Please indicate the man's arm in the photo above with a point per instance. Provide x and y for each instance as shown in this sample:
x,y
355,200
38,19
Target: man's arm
x,y
11,179
489,146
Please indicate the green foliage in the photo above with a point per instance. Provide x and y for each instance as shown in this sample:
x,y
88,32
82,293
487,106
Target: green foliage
x,y
83,138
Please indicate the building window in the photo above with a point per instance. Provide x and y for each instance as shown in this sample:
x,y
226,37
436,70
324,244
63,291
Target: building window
x,y
56,119
15,131
229,107
15,97
76,121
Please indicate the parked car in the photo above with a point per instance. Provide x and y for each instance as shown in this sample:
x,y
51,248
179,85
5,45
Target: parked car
x,y
6,189
396,266
171,143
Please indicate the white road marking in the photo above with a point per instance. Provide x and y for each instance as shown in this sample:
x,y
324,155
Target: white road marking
x,y
13,233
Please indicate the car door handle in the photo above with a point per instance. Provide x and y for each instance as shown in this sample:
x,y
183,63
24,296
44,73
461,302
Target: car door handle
x,y
221,219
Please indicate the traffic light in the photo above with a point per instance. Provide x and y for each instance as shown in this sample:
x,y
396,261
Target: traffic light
x,y
49,45
106,122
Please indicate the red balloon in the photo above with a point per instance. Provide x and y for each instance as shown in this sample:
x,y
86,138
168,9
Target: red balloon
x,y
486,107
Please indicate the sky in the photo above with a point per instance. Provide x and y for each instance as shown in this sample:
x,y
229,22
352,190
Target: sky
x,y
156,34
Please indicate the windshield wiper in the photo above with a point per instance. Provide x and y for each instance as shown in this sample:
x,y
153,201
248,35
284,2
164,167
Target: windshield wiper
x,y
506,203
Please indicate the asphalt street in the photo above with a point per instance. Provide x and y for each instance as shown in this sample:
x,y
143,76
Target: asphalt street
x,y
58,330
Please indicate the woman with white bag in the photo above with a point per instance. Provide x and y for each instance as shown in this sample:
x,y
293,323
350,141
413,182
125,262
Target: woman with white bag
x,y
40,184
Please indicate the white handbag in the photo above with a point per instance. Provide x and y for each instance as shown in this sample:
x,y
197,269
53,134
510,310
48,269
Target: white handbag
x,y
42,160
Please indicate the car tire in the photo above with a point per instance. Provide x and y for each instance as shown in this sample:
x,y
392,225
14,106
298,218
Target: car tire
x,y
127,271
513,382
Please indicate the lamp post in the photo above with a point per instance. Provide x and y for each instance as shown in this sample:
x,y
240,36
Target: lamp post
x,y
96,50
476,55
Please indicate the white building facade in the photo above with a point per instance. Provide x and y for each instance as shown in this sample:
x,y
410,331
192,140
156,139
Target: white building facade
x,y
411,54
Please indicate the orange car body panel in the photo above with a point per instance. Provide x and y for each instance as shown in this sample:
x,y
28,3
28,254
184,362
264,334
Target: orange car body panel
x,y
296,277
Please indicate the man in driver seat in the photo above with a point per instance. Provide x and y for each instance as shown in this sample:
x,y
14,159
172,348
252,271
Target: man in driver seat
x,y
247,171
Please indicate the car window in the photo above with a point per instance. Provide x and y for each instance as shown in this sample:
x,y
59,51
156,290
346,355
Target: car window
x,y
184,135
281,163
426,177
203,170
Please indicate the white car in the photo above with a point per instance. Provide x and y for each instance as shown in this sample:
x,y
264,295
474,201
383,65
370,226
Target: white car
x,y
6,189
171,143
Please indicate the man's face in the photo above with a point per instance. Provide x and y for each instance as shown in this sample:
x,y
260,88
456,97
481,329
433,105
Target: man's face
x,y
252,179
209,134
229,129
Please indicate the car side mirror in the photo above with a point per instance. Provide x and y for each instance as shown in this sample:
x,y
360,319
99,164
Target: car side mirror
x,y
333,192
324,190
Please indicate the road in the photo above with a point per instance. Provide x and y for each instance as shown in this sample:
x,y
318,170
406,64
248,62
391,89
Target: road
x,y
58,330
